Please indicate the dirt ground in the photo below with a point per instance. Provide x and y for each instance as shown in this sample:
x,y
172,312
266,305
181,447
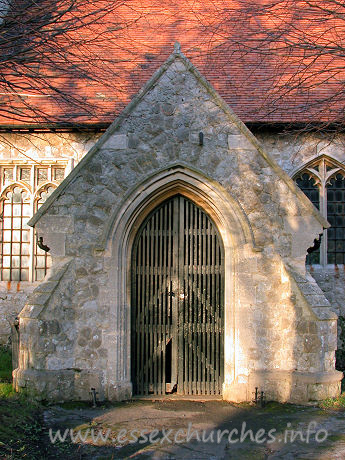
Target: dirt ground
x,y
181,429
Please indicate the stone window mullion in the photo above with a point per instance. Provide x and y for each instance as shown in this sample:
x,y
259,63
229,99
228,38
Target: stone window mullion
x,y
323,171
323,210
30,263
32,242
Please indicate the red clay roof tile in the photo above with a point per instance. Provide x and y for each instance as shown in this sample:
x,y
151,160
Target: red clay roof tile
x,y
262,81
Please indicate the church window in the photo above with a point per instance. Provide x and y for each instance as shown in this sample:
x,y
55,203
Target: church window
x,y
336,217
24,189
323,182
15,235
42,258
58,174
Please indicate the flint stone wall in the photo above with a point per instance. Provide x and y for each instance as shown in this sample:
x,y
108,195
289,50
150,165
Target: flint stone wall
x,y
46,147
290,151
293,150
73,329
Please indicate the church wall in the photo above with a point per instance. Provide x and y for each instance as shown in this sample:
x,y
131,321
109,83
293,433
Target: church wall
x,y
75,327
34,150
290,151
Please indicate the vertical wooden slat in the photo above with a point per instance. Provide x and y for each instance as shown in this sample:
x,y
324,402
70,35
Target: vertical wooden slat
x,y
184,314
199,305
189,275
222,281
217,318
194,304
213,303
146,311
175,290
165,295
142,318
134,316
203,294
138,310
137,304
209,294
160,287
180,214
155,304
150,307
178,250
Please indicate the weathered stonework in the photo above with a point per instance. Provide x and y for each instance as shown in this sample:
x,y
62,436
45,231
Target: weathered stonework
x,y
280,333
25,149
292,151
12,299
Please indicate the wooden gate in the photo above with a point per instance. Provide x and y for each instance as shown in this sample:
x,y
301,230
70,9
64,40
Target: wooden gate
x,y
177,303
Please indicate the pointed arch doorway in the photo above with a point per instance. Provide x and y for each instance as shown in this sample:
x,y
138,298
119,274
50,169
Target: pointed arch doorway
x,y
177,302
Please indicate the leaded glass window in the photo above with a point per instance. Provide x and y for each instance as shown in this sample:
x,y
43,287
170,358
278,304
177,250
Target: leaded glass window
x,y
7,174
308,185
336,217
58,174
323,182
15,245
24,188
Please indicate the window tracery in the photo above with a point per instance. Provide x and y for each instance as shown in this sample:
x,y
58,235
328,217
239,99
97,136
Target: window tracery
x,y
15,235
323,182
24,189
42,261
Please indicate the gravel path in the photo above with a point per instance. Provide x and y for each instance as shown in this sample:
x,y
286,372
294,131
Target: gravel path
x,y
201,430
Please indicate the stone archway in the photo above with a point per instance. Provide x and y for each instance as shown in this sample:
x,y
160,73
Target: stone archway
x,y
117,244
177,302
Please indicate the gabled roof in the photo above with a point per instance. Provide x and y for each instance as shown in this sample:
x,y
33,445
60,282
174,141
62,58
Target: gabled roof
x,y
233,119
282,82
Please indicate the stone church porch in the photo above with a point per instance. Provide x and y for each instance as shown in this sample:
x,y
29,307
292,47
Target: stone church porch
x,y
272,324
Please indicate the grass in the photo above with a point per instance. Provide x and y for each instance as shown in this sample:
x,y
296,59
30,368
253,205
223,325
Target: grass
x,y
334,403
5,364
20,428
6,390
23,435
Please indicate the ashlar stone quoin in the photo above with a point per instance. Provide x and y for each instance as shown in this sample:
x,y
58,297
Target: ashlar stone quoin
x,y
279,333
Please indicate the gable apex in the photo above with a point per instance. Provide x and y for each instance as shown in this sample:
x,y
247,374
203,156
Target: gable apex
x,y
242,139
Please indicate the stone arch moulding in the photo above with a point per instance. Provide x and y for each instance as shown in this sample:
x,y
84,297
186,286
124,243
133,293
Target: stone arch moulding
x,y
43,188
336,163
116,246
10,187
322,169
